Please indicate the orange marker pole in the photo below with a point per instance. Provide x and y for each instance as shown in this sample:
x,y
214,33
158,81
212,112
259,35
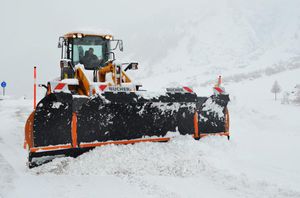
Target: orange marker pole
x,y
196,127
34,88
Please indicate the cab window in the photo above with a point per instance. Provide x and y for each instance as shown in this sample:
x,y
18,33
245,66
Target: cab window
x,y
89,51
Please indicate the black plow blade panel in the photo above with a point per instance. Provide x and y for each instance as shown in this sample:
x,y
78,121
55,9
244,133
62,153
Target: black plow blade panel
x,y
52,120
212,114
129,116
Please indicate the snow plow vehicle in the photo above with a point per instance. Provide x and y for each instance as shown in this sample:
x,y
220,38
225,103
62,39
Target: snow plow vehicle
x,y
94,103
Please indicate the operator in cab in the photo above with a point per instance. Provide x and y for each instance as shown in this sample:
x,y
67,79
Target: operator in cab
x,y
90,60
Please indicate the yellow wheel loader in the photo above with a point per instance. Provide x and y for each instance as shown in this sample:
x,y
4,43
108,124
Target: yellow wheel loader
x,y
95,103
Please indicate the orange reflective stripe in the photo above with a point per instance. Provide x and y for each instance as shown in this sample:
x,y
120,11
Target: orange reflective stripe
x,y
85,145
196,127
50,148
210,134
227,120
59,86
28,131
74,130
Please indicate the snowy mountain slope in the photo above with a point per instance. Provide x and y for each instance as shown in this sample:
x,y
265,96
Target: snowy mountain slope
x,y
228,38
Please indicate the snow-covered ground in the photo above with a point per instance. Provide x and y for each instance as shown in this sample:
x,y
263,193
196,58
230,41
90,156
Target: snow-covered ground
x,y
260,160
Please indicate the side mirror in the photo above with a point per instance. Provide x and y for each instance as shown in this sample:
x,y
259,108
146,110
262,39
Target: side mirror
x,y
121,45
132,66
42,85
60,42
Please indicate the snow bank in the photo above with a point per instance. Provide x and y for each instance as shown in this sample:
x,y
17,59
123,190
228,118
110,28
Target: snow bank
x,y
181,158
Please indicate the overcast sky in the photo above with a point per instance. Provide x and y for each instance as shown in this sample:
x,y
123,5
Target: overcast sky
x,y
30,31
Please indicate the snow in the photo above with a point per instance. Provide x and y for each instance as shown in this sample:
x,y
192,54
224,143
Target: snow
x,y
150,94
4,97
79,96
260,160
88,73
70,81
89,30
56,105
211,106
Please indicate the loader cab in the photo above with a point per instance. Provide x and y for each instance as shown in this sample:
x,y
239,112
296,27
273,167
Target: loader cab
x,y
92,51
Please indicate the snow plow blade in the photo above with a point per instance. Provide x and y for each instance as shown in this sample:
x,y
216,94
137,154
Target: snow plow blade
x,y
67,125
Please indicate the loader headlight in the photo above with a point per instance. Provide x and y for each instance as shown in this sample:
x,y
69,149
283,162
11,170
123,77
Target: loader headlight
x,y
79,35
108,37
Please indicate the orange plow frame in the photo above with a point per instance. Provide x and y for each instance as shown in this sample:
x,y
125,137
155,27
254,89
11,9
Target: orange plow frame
x,y
74,144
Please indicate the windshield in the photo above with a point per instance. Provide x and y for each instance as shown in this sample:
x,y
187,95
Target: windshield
x,y
90,51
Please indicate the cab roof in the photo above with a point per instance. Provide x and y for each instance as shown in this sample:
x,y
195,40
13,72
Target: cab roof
x,y
83,34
